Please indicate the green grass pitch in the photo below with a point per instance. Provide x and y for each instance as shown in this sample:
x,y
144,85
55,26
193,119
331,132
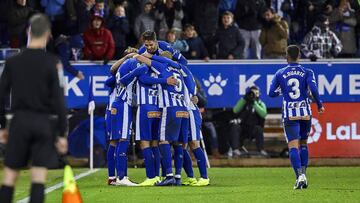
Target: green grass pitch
x,y
326,184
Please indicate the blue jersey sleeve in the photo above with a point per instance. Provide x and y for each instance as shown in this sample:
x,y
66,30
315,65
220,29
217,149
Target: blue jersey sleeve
x,y
189,80
162,59
141,50
310,78
177,56
148,80
111,81
158,67
126,79
275,86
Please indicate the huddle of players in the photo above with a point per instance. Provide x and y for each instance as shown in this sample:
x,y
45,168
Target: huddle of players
x,y
166,115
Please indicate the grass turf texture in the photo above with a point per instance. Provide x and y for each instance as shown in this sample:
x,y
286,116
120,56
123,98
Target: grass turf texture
x,y
327,184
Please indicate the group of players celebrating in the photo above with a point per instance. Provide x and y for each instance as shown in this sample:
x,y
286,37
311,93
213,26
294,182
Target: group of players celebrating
x,y
156,79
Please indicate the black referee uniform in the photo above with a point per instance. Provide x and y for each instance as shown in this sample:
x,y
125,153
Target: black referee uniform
x,y
32,77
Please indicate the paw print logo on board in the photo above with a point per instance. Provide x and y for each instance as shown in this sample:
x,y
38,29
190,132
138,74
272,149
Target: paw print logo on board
x,y
215,84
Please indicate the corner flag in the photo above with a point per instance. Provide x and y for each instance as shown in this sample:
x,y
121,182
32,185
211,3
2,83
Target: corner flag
x,y
91,101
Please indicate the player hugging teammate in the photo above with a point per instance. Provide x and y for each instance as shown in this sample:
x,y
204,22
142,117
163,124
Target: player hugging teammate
x,y
166,115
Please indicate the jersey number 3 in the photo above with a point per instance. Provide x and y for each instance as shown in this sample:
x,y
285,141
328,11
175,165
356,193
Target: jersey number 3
x,y
294,84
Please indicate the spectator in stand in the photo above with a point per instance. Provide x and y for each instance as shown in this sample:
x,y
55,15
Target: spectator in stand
x,y
274,35
177,44
170,15
17,17
67,48
251,113
343,22
83,11
228,38
197,49
101,9
206,18
55,10
119,26
316,8
248,17
145,21
99,42
321,42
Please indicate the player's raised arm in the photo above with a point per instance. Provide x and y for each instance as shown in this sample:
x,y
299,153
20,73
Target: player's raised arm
x,y
310,79
168,61
274,87
110,81
189,80
126,79
118,63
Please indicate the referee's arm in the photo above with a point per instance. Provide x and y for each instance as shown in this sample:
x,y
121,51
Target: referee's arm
x,y
5,85
58,106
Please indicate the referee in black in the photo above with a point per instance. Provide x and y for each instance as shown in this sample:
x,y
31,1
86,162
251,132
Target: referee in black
x,y
34,78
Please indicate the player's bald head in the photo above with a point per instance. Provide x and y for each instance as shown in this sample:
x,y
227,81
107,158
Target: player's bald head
x,y
293,53
39,25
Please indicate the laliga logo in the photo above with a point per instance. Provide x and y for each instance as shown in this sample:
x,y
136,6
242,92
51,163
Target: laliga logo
x,y
315,131
215,84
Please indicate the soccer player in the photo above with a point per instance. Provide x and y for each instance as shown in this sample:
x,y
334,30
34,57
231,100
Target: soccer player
x,y
154,47
294,81
174,120
148,120
121,114
195,130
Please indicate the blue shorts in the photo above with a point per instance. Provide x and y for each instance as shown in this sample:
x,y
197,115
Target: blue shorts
x,y
108,123
297,129
121,119
174,125
195,125
147,122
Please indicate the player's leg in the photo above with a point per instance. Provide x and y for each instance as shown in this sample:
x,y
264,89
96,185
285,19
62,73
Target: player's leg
x,y
187,165
305,127
292,133
155,130
178,161
111,162
169,132
111,150
143,134
201,163
120,128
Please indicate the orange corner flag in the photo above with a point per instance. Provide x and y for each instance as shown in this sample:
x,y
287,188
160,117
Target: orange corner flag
x,y
71,193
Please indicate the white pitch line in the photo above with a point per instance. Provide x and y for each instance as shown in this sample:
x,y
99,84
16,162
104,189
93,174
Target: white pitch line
x,y
59,185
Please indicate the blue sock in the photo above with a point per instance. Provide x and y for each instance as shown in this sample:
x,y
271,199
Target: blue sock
x,y
201,162
121,158
295,161
149,162
157,158
188,164
166,158
111,160
178,160
304,155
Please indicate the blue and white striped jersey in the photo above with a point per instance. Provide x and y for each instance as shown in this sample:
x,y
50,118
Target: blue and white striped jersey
x,y
124,91
294,82
169,95
111,82
147,89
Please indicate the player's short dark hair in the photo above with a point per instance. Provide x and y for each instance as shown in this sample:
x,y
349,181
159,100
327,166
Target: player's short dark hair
x,y
228,13
39,24
149,35
293,52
